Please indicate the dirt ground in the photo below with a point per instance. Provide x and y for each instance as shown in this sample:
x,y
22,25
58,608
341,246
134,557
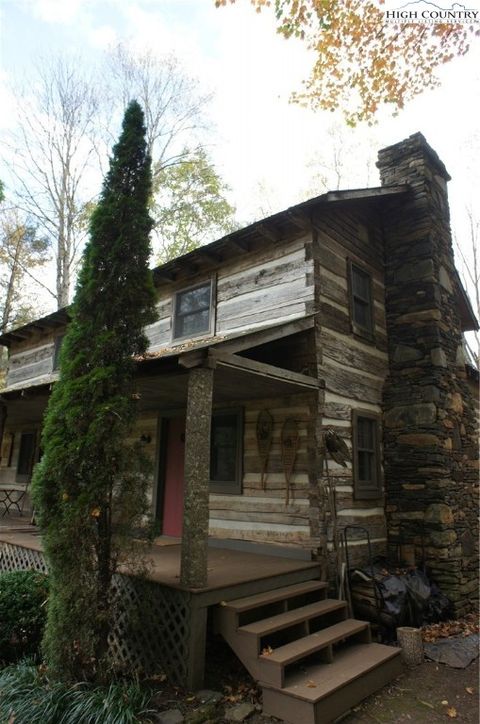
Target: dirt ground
x,y
428,693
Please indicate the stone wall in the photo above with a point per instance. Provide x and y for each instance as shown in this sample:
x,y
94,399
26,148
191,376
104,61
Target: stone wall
x,y
430,436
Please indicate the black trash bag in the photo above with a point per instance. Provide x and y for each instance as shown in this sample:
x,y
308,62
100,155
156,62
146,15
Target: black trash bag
x,y
439,607
394,593
419,592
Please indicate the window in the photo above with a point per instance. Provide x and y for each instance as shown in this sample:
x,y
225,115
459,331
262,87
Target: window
x,y
226,451
367,477
361,301
192,311
56,351
26,453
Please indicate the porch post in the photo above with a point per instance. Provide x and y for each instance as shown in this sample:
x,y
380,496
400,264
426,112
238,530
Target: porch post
x,y
193,570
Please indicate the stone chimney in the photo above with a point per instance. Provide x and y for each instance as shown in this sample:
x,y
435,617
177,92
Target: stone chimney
x,y
429,414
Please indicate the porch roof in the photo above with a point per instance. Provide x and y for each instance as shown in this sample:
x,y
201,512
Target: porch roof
x,y
236,377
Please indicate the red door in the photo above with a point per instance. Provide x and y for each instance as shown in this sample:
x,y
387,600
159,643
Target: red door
x,y
174,467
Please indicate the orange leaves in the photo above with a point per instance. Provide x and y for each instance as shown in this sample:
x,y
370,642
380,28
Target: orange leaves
x,y
362,59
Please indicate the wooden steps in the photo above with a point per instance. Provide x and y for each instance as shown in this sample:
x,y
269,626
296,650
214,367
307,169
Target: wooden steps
x,y
291,618
312,662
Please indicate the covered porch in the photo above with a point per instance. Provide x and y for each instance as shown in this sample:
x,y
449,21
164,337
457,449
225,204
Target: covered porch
x,y
224,378
198,570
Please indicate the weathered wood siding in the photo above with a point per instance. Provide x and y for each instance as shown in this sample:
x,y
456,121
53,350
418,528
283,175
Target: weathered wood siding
x,y
258,514
30,361
258,289
354,369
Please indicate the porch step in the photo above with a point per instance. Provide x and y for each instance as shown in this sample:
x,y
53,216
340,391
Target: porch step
x,y
291,618
273,664
240,605
312,662
323,692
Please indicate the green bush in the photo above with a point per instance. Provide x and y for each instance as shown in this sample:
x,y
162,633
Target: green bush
x,y
23,596
28,697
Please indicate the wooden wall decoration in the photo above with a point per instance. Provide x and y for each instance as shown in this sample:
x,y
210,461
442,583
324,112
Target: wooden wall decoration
x,y
289,442
264,441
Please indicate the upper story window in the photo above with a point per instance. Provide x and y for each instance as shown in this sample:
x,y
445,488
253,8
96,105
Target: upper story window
x,y
192,311
361,301
367,477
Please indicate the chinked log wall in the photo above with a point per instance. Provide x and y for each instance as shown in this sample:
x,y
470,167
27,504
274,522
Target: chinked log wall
x,y
259,514
354,370
261,288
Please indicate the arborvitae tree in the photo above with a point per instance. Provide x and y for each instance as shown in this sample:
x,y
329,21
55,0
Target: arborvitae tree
x,y
90,487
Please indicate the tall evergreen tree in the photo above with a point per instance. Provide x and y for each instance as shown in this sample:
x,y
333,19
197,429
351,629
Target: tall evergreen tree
x,y
89,489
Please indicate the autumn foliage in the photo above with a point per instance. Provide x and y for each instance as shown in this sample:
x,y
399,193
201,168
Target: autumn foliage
x,y
362,60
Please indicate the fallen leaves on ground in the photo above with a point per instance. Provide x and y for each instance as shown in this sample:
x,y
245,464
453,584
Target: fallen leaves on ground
x,y
463,627
267,651
469,689
452,712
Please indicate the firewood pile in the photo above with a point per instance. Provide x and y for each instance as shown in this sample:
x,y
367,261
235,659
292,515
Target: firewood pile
x,y
393,596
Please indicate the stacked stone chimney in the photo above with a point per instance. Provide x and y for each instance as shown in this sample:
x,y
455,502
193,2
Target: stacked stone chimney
x,y
430,441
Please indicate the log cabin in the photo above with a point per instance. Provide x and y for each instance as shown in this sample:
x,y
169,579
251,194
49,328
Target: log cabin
x,y
345,314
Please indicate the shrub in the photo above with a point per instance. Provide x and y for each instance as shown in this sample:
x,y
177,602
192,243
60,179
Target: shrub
x,y
23,595
27,697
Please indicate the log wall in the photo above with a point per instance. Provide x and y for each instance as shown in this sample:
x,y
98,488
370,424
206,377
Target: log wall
x,y
261,288
354,369
260,514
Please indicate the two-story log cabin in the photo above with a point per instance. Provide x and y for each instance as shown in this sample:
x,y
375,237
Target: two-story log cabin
x,y
343,312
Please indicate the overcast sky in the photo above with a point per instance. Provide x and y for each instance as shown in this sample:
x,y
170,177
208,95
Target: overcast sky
x,y
260,138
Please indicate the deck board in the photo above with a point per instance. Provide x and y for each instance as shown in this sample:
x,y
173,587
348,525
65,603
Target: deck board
x,y
227,568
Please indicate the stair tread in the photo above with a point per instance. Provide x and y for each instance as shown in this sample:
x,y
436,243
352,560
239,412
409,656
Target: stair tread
x,y
309,644
320,680
297,615
278,594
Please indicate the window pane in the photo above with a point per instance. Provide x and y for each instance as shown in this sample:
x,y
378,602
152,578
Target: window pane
x,y
361,313
223,464
365,433
25,455
193,300
366,471
192,324
360,284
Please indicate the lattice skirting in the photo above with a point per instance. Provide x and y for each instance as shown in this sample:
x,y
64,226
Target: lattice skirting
x,y
152,625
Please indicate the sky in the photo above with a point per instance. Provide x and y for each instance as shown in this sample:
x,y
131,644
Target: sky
x,y
263,146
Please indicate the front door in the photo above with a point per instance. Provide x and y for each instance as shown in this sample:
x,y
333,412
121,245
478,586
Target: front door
x,y
174,478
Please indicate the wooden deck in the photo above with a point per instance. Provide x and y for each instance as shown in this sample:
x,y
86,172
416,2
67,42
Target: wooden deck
x,y
227,569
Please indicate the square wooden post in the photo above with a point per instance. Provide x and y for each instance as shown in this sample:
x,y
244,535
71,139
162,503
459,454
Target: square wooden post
x,y
193,570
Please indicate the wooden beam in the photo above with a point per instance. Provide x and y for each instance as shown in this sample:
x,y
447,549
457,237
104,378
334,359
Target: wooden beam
x,y
210,256
164,275
300,220
193,568
269,232
239,245
195,358
263,336
264,370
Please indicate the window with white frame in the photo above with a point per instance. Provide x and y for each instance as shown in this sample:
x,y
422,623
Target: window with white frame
x,y
192,311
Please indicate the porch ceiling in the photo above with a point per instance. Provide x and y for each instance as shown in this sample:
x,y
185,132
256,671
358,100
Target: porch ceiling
x,y
230,384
